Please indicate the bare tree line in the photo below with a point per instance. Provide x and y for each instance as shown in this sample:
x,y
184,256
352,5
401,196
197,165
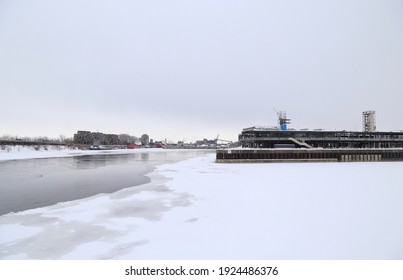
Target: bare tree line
x,y
60,139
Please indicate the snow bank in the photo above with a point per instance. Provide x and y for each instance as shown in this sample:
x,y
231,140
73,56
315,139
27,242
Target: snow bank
x,y
197,209
30,152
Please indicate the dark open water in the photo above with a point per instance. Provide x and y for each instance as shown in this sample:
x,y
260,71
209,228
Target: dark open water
x,y
28,184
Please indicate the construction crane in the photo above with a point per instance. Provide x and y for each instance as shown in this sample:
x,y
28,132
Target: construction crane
x,y
282,119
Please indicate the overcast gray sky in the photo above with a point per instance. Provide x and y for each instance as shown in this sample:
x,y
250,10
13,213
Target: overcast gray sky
x,y
184,70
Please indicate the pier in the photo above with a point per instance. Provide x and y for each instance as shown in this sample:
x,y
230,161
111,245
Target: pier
x,y
308,155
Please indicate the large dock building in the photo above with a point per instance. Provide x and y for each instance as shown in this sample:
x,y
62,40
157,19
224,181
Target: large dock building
x,y
282,137
263,137
280,144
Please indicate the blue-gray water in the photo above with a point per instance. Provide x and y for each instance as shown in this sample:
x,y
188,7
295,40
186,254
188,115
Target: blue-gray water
x,y
28,184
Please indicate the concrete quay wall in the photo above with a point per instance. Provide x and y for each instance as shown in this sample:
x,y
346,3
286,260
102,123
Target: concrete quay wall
x,y
308,155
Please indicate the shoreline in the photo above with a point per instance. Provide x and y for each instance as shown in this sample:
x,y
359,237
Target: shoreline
x,y
24,152
32,182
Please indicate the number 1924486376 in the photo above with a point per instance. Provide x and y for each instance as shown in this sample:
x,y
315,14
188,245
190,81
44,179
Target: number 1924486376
x,y
261,270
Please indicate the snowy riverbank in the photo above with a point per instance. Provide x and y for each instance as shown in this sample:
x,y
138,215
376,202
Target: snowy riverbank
x,y
30,152
197,209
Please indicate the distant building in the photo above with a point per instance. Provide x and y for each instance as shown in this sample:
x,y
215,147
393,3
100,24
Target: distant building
x,y
110,139
84,137
126,139
145,140
98,137
206,143
95,138
368,121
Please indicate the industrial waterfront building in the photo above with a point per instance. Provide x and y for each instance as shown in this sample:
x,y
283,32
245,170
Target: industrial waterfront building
x,y
281,144
261,137
282,137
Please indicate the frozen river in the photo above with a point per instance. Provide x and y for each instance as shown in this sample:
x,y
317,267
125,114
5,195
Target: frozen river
x,y
31,183
198,209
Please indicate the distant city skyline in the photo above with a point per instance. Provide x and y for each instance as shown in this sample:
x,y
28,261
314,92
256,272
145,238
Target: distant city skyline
x,y
188,70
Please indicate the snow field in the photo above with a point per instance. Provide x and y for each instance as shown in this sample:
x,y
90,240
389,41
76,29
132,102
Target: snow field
x,y
198,209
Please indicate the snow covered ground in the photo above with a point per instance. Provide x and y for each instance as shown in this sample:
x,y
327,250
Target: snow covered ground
x,y
198,209
29,152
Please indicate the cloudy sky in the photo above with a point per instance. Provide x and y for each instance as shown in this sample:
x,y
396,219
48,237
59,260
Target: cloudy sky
x,y
185,70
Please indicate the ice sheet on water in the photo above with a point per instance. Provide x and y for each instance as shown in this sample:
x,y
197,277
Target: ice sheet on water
x,y
204,210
